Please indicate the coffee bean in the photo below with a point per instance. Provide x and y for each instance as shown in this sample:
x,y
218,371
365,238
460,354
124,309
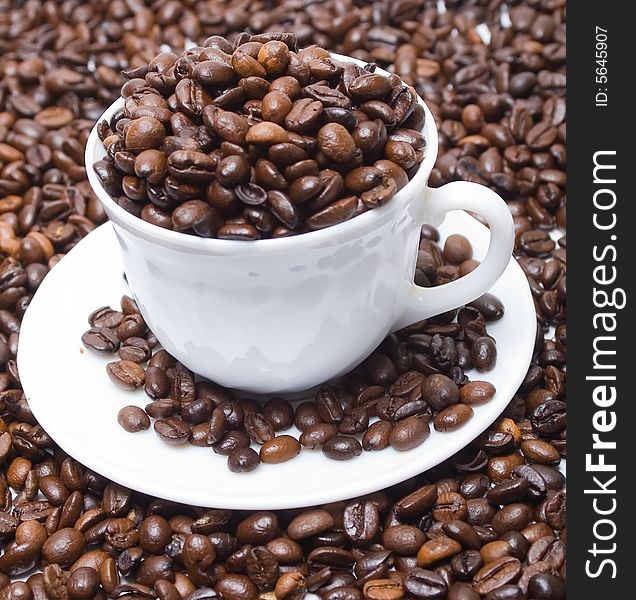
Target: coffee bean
x,y
495,574
453,417
483,353
83,583
290,586
541,451
500,467
154,534
144,133
156,382
377,436
462,591
403,539
506,492
279,449
279,413
172,431
383,589
342,447
258,428
512,517
242,460
135,349
317,435
126,374
310,523
437,549
236,587
463,533
64,547
440,391
476,392
457,249
422,583
101,339
229,441
133,419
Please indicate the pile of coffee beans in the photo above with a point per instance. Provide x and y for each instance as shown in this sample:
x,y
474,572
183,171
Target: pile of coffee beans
x,y
258,139
486,94
494,529
415,378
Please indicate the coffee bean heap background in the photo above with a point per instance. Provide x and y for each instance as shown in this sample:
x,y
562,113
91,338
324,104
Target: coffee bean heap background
x,y
501,112
415,377
257,139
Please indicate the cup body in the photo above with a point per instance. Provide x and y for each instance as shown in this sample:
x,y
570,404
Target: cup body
x,y
274,316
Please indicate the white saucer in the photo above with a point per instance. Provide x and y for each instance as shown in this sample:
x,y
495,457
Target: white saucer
x,y
72,398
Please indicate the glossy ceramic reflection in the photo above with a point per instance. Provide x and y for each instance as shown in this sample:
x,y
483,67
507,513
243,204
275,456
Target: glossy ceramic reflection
x,y
285,315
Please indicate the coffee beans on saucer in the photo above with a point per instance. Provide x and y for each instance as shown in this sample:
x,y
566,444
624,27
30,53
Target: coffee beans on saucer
x,y
258,139
413,382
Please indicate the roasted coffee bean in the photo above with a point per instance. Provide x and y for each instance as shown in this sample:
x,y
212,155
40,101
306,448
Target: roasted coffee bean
x,y
290,586
133,419
342,447
83,583
236,587
495,574
279,413
507,492
328,405
377,436
64,547
462,533
453,417
172,431
383,589
483,353
422,583
476,392
489,306
437,549
403,539
101,339
279,449
466,564
154,534
135,349
457,249
126,374
258,428
317,435
310,523
361,521
230,441
243,460
439,391
156,382
409,433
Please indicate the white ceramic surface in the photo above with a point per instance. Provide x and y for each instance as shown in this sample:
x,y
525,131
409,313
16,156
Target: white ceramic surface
x,y
72,398
287,314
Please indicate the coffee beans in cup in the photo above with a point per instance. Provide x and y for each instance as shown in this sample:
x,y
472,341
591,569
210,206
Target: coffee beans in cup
x,y
258,139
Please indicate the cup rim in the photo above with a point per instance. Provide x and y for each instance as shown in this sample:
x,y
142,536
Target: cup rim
x,y
333,234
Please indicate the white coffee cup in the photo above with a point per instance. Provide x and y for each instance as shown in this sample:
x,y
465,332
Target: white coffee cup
x,y
284,315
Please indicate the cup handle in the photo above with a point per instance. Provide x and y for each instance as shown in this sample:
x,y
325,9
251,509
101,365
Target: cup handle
x,y
463,195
